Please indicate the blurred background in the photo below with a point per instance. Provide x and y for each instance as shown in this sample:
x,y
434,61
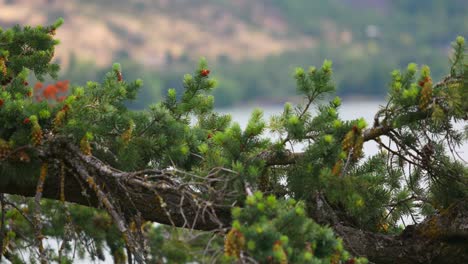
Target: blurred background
x,y
252,46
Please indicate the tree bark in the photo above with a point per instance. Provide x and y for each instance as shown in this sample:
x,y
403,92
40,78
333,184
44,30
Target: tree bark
x,y
159,199
441,238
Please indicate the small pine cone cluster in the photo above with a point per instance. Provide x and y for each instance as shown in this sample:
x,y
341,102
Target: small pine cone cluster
x,y
36,134
60,117
119,76
279,252
348,141
426,93
335,258
6,243
127,135
204,72
357,151
337,168
234,243
353,141
5,149
427,154
3,68
85,146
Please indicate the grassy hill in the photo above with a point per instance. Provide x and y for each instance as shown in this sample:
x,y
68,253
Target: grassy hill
x,y
150,32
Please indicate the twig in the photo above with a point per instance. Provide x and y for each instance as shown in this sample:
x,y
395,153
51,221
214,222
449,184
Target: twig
x,y
2,229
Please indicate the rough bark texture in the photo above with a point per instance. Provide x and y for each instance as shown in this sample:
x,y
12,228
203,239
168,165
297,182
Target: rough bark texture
x,y
428,242
159,199
158,196
441,238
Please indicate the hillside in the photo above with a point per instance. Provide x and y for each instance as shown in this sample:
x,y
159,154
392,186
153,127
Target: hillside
x,y
252,46
152,31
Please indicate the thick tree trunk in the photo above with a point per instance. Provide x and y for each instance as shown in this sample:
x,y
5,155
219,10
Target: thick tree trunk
x,y
441,238
429,242
160,197
157,195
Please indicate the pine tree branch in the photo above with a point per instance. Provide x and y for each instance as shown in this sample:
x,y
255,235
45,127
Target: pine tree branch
x,y
175,195
156,194
282,159
441,238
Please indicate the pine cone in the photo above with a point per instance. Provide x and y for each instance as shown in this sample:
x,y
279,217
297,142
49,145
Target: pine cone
x,y
353,141
36,135
280,254
85,146
119,76
337,168
3,68
426,95
58,121
234,243
348,141
127,135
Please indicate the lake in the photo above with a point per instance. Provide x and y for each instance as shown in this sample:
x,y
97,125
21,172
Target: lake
x,y
350,109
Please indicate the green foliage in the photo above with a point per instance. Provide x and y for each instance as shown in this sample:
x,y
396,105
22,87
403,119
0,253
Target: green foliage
x,y
371,191
23,50
176,245
30,48
279,231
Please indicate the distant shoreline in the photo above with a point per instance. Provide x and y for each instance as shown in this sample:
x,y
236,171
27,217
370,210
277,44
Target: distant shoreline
x,y
272,102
